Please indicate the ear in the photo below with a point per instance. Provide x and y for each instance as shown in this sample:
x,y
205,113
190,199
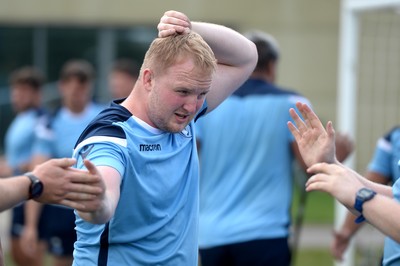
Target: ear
x,y
148,79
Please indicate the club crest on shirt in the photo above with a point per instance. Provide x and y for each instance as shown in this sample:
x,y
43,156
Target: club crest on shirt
x,y
186,132
85,151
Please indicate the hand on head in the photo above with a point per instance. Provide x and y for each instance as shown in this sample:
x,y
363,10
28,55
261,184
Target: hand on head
x,y
173,22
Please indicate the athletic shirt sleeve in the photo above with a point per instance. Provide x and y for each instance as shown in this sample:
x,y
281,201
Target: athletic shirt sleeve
x,y
104,144
381,160
104,153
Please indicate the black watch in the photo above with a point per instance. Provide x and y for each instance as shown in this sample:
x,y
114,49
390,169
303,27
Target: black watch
x,y
363,195
36,187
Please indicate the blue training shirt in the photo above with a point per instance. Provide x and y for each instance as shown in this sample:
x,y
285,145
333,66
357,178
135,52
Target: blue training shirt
x,y
19,138
57,135
391,251
386,162
156,219
246,166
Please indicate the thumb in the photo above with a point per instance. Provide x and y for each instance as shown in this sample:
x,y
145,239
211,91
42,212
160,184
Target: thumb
x,y
330,129
91,167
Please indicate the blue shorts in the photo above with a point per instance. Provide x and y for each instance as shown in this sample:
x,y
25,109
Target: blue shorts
x,y
262,252
18,221
61,234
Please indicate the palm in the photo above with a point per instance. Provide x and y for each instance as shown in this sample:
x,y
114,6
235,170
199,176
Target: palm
x,y
316,144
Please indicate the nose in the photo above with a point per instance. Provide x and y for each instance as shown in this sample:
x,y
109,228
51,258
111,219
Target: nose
x,y
191,105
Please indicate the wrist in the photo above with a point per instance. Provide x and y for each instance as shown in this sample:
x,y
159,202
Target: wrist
x,y
363,195
36,186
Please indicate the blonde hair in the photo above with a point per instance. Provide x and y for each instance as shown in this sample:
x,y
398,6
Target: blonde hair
x,y
164,52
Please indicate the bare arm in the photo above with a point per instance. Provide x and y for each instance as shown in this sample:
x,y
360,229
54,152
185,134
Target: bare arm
x,y
104,205
13,191
343,183
236,55
316,144
349,228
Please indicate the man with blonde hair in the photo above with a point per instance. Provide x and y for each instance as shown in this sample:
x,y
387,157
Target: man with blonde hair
x,y
144,147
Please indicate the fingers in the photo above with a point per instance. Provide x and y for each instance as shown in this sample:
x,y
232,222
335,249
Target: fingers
x,y
330,129
73,204
310,117
81,206
81,191
298,121
63,162
294,130
173,22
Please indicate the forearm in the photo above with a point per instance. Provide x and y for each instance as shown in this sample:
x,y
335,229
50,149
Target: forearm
x,y
381,189
13,191
32,210
229,47
102,215
349,227
384,213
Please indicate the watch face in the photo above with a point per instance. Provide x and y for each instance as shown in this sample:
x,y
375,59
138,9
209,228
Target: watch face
x,y
37,189
365,193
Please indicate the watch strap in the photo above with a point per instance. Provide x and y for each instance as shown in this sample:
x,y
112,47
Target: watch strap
x,y
34,179
359,219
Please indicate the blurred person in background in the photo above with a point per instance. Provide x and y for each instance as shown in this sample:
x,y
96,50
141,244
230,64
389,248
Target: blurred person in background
x,y
383,169
122,77
55,139
26,84
246,174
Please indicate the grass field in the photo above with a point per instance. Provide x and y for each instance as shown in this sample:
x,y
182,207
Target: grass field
x,y
319,207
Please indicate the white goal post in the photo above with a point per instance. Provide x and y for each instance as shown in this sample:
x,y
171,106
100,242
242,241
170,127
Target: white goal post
x,y
349,83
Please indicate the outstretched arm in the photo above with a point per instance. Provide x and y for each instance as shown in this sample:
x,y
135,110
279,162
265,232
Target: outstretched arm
x,y
341,182
62,185
349,228
236,55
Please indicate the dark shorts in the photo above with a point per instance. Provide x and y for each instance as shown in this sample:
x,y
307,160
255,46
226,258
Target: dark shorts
x,y
263,252
18,221
61,234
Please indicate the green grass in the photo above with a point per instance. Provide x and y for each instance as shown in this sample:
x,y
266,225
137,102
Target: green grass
x,y
319,207
313,257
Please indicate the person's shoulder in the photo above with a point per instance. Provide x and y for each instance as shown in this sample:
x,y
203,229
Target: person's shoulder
x,y
106,123
393,134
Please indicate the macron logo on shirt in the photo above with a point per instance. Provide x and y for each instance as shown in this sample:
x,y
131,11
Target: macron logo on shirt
x,y
149,147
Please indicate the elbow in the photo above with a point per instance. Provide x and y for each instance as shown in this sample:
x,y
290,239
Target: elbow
x,y
252,57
